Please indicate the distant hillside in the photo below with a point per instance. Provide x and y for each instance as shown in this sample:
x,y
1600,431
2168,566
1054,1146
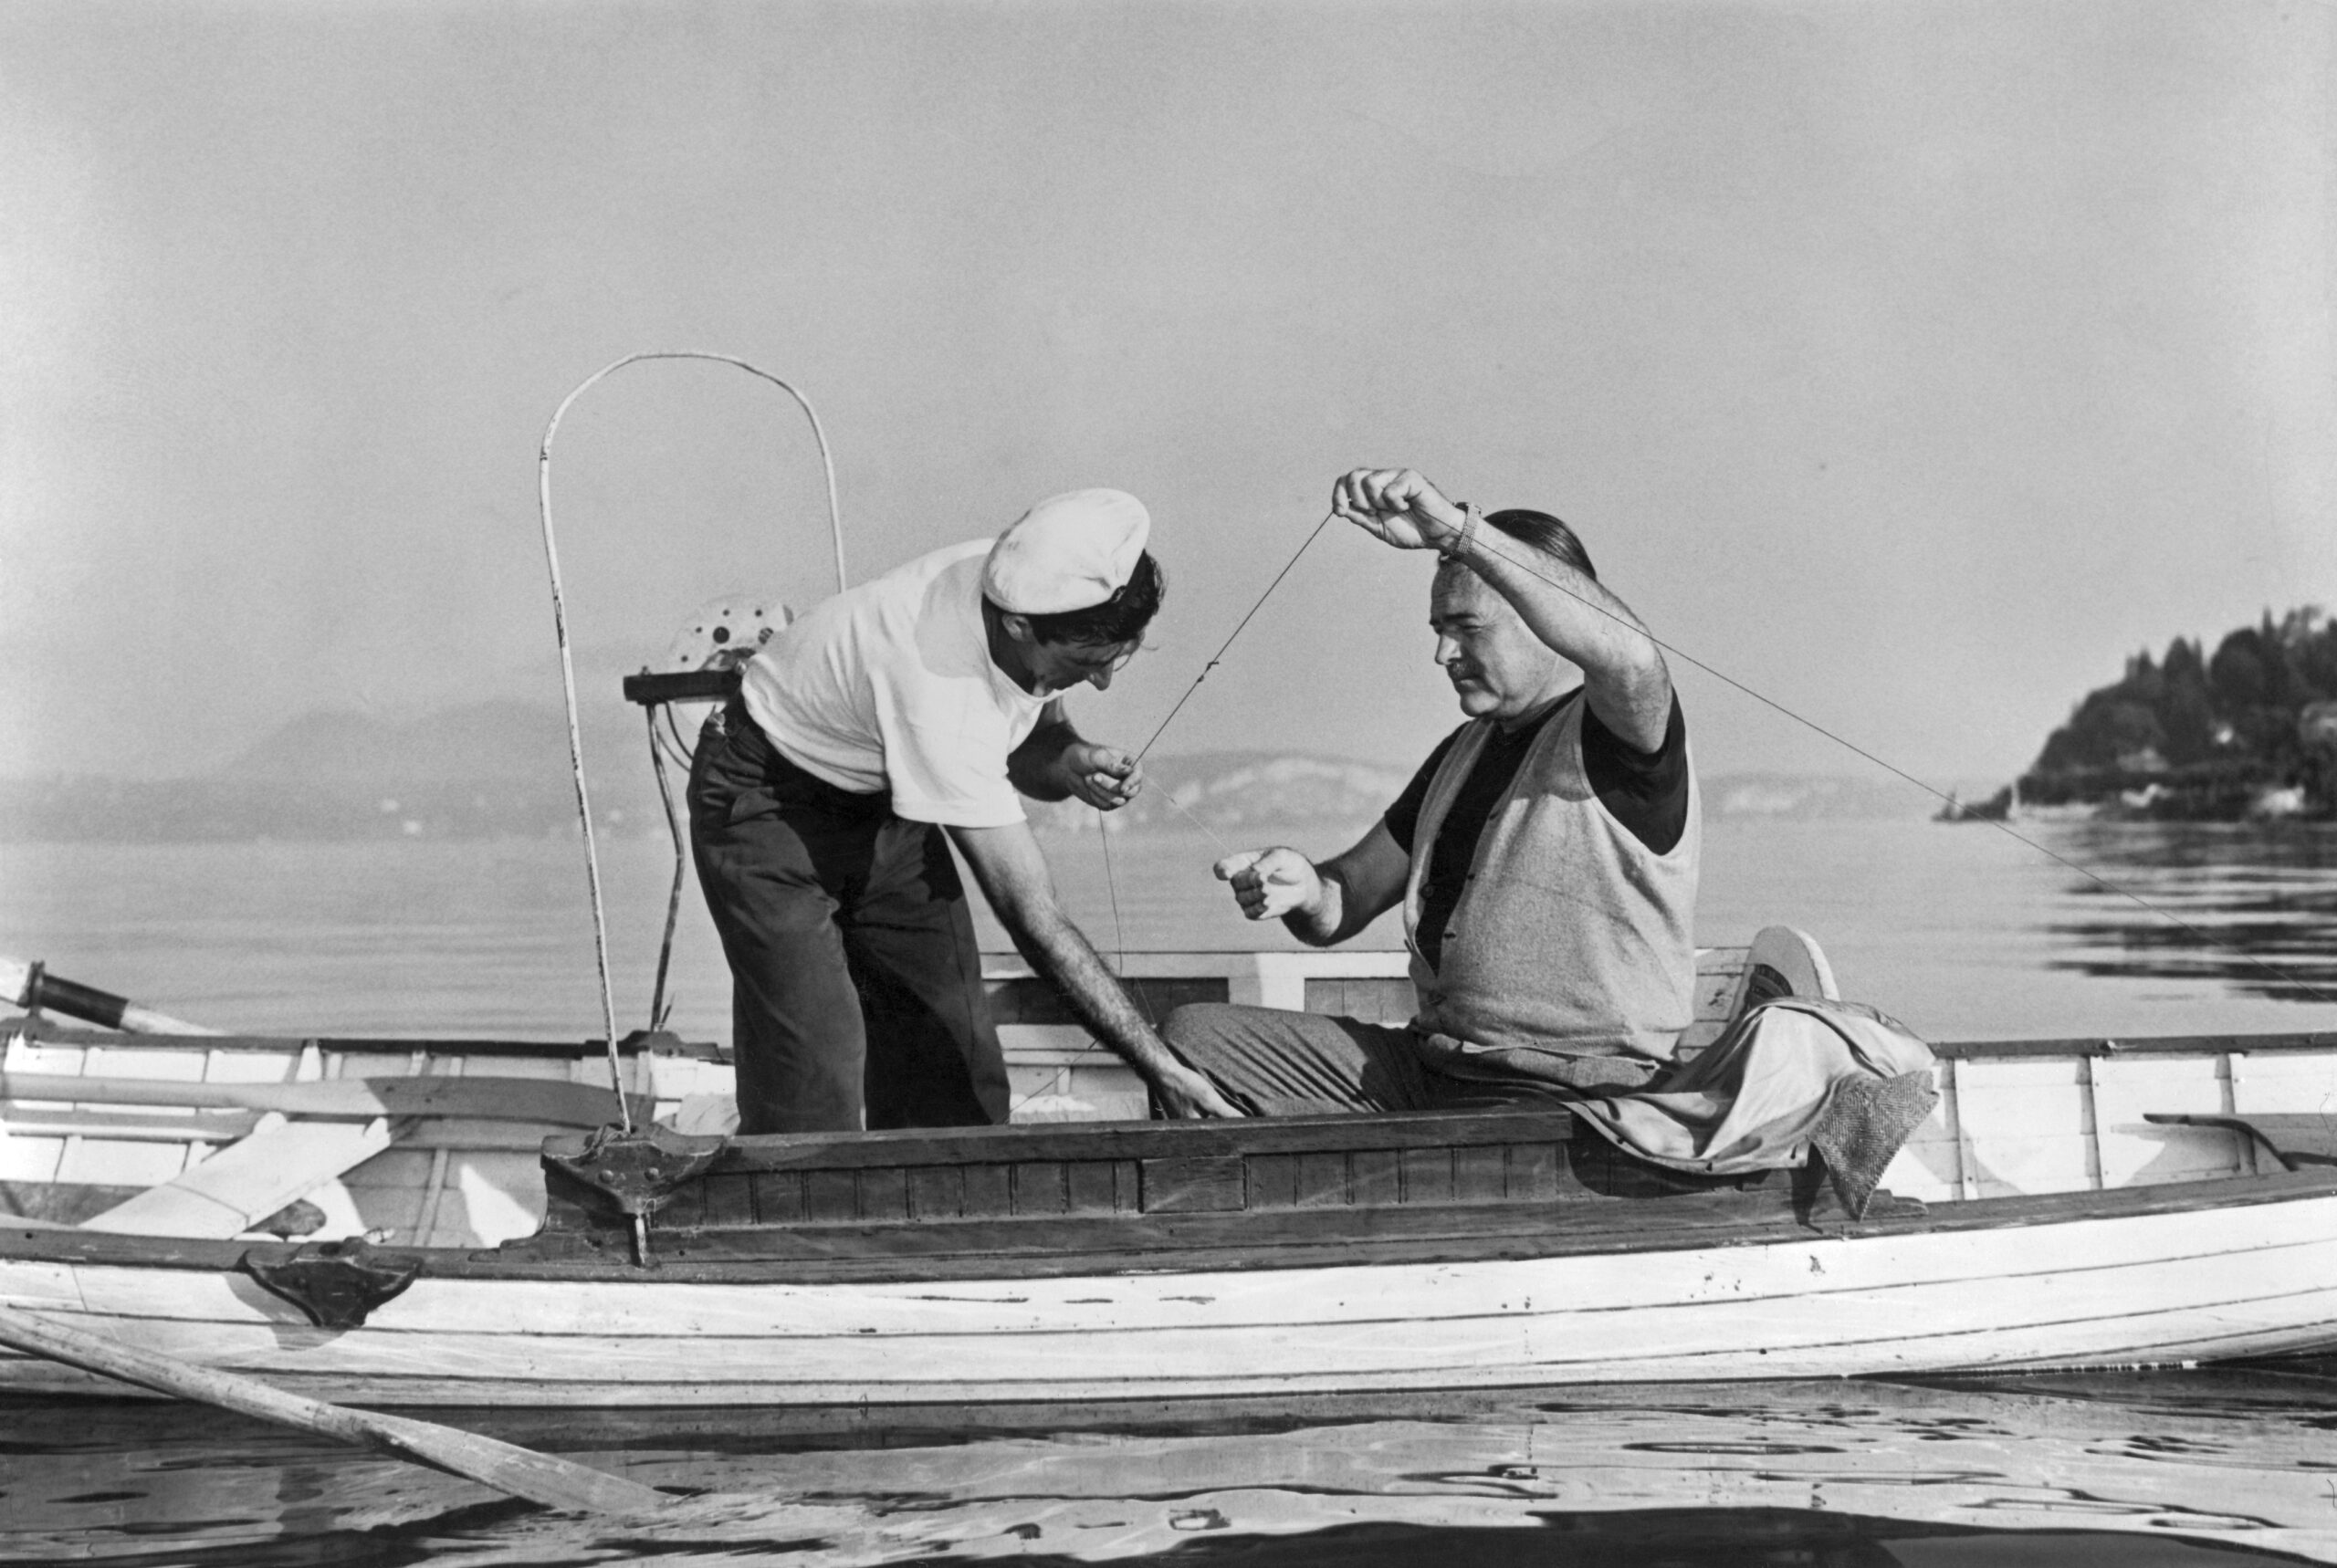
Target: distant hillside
x,y
1231,789
501,768
492,741
488,769
1228,790
1798,797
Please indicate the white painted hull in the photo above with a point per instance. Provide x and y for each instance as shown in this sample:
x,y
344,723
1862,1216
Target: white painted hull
x,y
2159,1288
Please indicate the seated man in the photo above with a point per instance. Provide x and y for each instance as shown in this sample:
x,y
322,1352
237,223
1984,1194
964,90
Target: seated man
x,y
1545,854
916,704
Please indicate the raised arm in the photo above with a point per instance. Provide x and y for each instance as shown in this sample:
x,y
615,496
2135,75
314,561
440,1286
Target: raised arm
x,y
1319,904
1007,863
1624,676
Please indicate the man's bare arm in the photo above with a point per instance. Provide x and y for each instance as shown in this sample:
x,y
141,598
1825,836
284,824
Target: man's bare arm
x,y
1013,872
1320,905
1625,679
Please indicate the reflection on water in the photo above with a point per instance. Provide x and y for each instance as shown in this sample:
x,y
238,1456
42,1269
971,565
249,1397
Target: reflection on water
x,y
2259,904
2162,1468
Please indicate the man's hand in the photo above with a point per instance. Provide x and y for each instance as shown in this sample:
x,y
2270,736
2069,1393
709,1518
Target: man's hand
x,y
1270,883
1397,506
1106,778
1186,1094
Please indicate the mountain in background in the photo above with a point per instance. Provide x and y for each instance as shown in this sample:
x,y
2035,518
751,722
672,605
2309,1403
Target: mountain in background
x,y
492,742
483,770
501,768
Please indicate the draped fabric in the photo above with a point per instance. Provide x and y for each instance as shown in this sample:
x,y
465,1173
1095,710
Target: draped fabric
x,y
1798,1074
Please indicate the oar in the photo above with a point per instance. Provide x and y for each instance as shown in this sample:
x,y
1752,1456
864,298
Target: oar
x,y
521,1472
32,985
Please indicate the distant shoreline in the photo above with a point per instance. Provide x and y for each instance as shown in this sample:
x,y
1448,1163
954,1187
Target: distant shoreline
x,y
1230,794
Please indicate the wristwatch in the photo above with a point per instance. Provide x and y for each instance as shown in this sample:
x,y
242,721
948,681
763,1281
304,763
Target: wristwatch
x,y
1456,545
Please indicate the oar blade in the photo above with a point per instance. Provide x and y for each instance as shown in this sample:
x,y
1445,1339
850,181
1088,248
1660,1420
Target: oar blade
x,y
520,1472
523,1472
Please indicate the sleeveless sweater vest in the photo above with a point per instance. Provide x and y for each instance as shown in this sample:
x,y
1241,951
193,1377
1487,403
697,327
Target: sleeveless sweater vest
x,y
1571,936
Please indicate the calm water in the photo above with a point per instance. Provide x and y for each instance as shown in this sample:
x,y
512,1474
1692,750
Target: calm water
x,y
1961,931
2105,1471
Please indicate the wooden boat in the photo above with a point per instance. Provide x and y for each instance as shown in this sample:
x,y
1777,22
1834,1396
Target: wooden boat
x,y
475,1243
445,1222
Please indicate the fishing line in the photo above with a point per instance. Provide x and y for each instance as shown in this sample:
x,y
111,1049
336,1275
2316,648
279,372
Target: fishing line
x,y
2137,900
1188,816
1119,932
1483,541
1220,656
1103,835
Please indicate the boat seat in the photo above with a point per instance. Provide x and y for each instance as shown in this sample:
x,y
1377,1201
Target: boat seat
x,y
279,1161
2295,1140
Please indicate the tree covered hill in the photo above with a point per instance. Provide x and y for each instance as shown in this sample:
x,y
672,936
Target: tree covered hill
x,y
2250,728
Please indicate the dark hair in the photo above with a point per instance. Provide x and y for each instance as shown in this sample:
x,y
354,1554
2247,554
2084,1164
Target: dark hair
x,y
1119,619
1540,531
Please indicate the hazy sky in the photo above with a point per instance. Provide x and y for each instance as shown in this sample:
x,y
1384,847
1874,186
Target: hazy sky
x,y
1911,362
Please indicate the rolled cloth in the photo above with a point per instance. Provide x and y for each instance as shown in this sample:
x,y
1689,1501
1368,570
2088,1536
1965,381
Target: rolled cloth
x,y
1071,551
1792,1075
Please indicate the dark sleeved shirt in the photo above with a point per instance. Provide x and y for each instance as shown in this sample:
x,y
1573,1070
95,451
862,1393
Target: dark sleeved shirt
x,y
1646,792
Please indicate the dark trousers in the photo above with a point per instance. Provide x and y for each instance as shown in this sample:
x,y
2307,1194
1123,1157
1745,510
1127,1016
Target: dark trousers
x,y
856,993
1274,1062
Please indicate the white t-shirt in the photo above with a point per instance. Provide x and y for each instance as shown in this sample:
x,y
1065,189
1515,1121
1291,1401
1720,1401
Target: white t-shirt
x,y
890,686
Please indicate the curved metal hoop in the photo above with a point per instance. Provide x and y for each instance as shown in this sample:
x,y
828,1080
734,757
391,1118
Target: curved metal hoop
x,y
568,662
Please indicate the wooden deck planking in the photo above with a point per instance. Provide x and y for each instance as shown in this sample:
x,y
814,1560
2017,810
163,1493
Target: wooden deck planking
x,y
2134,1151
259,1067
1381,1001
27,1055
1926,1172
2282,1083
151,1124
488,1198
2042,1124
179,1062
498,1189
389,1208
2019,1167
31,1157
118,1162
2025,1126
227,1194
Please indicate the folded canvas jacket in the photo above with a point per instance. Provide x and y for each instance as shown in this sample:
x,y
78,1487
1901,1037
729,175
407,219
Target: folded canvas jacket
x,y
1793,1075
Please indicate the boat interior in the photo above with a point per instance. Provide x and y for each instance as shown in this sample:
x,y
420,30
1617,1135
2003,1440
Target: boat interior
x,y
442,1143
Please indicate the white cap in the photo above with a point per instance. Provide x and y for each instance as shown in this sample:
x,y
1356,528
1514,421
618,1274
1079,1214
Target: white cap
x,y
1068,552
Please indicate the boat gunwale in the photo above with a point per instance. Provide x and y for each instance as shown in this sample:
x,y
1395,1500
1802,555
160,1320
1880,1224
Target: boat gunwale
x,y
1225,1243
1127,1140
43,1030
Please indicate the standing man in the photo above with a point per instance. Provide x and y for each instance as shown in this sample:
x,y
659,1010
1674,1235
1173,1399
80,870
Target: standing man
x,y
1545,854
914,705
